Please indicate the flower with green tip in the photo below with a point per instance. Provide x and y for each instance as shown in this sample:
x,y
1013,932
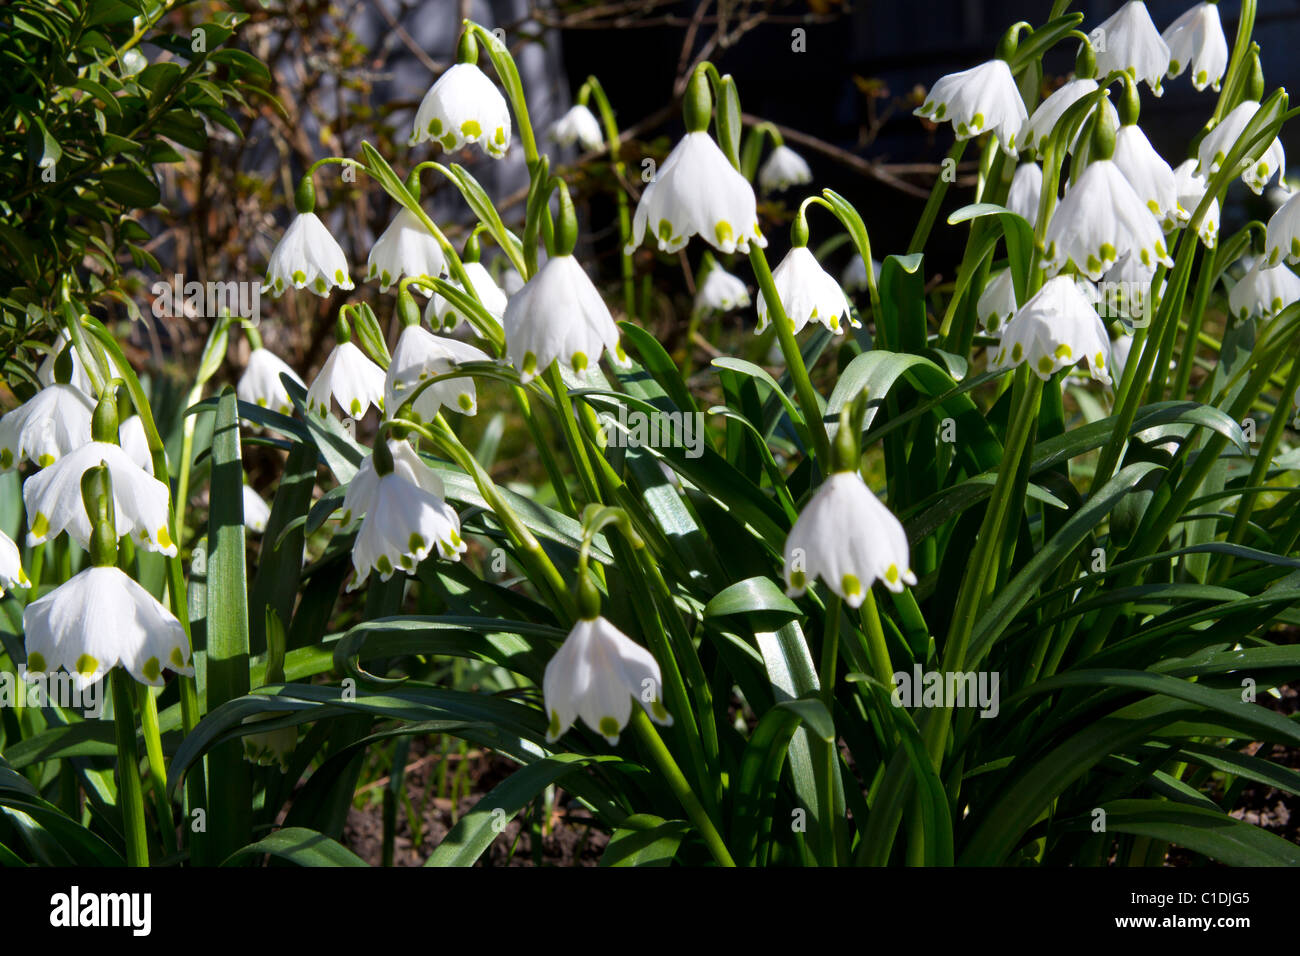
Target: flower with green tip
x,y
697,192
559,316
405,515
782,169
461,108
1026,191
980,100
1150,176
1100,219
53,500
808,293
848,538
351,379
1196,39
101,619
420,355
1039,126
997,303
52,423
721,292
440,313
405,248
1055,329
307,257
1191,188
1218,142
597,674
1283,234
1264,290
1128,42
261,384
578,125
11,565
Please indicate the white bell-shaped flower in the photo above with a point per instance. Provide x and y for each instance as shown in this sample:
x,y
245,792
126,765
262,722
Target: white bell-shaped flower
x,y
997,303
464,107
52,423
854,276
979,100
261,384
1038,128
1219,141
784,168
697,192
849,539
1264,290
559,315
11,565
101,619
256,511
808,293
351,378
421,355
720,292
597,674
1191,188
440,313
131,436
1149,175
52,498
1099,220
406,248
1026,191
1128,41
580,126
307,256
1283,237
1196,39
405,516
1125,291
1055,329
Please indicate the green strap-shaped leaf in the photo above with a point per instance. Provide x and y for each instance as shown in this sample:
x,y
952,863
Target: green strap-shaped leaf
x,y
301,846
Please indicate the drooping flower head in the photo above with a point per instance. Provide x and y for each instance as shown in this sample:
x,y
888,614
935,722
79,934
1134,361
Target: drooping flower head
x,y
597,674
1128,42
782,169
352,379
52,423
1264,290
1101,218
697,191
1026,191
1056,328
101,618
1196,39
406,517
558,315
307,256
578,125
261,384
464,107
407,248
720,291
1150,176
419,356
980,100
808,293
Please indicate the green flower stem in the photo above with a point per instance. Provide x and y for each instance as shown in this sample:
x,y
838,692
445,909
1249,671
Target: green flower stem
x,y
833,832
612,141
130,799
569,428
1192,336
672,775
1259,470
937,194
157,767
877,648
808,400
1024,404
553,473
531,551
508,73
